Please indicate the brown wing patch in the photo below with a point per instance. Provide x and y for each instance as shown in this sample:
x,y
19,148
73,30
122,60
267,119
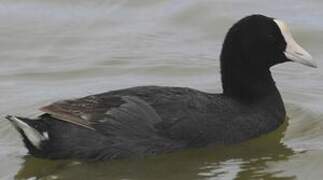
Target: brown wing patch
x,y
80,111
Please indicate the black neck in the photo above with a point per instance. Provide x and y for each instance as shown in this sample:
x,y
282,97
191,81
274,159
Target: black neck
x,y
240,78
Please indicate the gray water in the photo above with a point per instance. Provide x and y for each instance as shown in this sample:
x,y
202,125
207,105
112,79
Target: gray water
x,y
51,50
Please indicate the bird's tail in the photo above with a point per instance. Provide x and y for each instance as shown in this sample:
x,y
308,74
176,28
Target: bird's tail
x,y
33,132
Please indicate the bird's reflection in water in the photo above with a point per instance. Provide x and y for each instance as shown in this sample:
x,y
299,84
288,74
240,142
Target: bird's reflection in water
x,y
247,160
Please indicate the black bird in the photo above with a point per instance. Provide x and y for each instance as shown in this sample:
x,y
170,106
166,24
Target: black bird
x,y
148,120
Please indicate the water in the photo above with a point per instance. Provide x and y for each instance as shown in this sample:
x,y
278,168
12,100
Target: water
x,y
51,50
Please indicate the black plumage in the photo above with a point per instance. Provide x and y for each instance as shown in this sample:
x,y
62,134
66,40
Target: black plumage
x,y
147,120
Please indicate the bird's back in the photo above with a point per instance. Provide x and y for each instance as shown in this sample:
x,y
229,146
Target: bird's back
x,y
146,120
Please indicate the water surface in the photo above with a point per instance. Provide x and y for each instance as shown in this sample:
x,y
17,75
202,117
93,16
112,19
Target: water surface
x,y
51,50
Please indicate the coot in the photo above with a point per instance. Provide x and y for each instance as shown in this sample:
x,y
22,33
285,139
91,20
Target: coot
x,y
148,120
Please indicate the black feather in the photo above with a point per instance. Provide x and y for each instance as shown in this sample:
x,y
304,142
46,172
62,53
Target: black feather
x,y
147,120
